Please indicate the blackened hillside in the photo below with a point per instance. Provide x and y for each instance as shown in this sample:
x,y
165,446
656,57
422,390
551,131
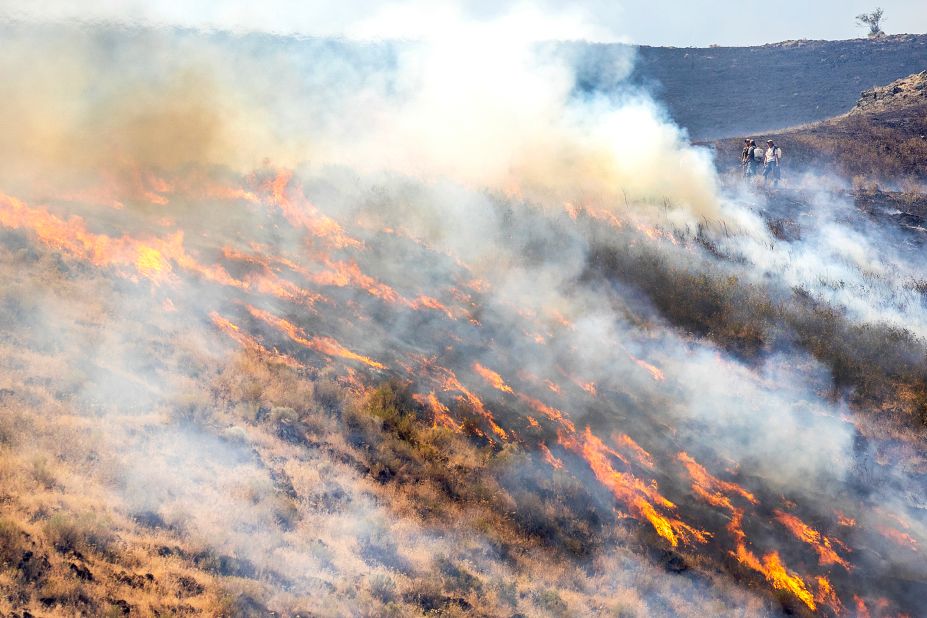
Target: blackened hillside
x,y
727,91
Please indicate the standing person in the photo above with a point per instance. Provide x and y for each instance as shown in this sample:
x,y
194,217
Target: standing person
x,y
743,157
750,154
771,162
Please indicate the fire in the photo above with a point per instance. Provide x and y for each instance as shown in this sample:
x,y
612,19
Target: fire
x,y
440,414
230,193
493,378
148,259
154,259
776,574
861,610
344,274
643,457
642,499
248,342
552,386
899,537
571,210
555,463
323,344
654,372
710,488
301,213
151,263
718,493
827,595
551,413
845,521
604,215
449,382
428,302
561,319
823,545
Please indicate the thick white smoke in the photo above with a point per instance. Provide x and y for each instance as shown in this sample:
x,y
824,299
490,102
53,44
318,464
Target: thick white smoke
x,y
432,134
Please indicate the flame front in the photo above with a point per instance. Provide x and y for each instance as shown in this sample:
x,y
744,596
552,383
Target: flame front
x,y
640,498
325,345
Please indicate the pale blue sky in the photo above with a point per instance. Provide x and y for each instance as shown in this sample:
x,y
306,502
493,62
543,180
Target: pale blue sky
x,y
702,22
654,22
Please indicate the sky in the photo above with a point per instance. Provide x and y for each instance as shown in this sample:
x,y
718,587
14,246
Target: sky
x,y
650,22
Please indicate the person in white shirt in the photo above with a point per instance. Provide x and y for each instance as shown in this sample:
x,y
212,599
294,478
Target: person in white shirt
x,y
771,163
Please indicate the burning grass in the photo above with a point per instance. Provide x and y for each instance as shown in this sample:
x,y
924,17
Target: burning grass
x,y
427,399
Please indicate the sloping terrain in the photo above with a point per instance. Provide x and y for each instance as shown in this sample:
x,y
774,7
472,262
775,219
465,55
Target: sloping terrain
x,y
583,378
727,91
882,140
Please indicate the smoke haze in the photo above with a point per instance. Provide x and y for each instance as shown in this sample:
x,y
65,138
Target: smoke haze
x,y
224,242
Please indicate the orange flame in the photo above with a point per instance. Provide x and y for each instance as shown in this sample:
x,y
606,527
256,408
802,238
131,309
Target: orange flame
x,y
718,493
776,574
301,213
654,372
440,414
642,456
154,259
823,545
642,499
555,463
845,521
323,344
450,382
552,413
248,342
899,537
710,488
827,595
343,274
493,378
428,302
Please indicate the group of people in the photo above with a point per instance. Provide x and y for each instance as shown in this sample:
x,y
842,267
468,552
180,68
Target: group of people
x,y
771,158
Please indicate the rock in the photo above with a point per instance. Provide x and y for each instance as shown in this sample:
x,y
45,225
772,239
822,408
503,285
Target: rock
x,y
122,605
190,587
32,568
900,94
81,572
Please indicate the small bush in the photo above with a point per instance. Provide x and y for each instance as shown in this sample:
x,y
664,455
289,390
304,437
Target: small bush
x,y
80,533
382,587
11,542
42,473
550,601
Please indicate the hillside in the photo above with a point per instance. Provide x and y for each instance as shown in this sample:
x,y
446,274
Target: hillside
x,y
294,328
879,141
726,91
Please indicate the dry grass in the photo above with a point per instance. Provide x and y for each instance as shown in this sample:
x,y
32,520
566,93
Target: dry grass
x,y
885,149
70,545
879,367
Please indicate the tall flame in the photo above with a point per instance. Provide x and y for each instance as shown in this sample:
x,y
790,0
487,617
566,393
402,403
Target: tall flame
x,y
640,498
824,546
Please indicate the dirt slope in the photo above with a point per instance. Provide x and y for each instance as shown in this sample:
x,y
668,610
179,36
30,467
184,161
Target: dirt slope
x,y
726,91
882,140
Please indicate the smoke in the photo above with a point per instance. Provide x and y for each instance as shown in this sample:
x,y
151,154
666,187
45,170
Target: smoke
x,y
477,102
467,164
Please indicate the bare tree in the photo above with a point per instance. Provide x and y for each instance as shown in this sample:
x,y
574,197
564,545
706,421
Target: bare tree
x,y
873,21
